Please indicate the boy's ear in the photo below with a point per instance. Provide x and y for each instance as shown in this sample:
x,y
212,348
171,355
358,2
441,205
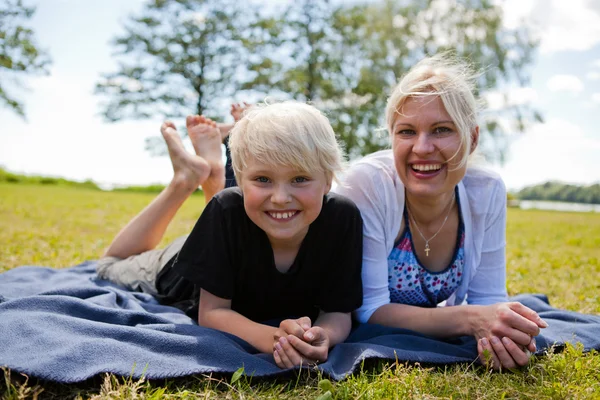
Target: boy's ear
x,y
474,139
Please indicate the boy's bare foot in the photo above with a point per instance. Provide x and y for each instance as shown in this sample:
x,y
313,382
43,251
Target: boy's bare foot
x,y
189,170
206,139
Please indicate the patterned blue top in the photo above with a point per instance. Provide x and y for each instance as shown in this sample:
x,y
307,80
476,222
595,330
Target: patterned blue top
x,y
411,283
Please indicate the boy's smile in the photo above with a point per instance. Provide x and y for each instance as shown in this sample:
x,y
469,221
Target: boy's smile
x,y
283,201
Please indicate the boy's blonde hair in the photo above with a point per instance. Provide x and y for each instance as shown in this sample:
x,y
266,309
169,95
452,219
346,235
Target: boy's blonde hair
x,y
450,79
287,133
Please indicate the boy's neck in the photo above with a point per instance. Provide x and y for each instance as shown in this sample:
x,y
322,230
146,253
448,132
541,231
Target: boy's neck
x,y
285,252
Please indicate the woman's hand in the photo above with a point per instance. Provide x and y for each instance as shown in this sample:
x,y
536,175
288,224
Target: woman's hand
x,y
505,331
504,353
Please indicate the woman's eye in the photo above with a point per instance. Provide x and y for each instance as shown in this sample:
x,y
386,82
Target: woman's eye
x,y
405,132
442,130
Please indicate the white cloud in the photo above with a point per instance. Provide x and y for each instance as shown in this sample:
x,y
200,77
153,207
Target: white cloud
x,y
561,25
596,98
593,75
565,83
516,11
555,150
497,100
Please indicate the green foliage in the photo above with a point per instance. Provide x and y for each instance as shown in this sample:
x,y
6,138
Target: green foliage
x,y
347,58
556,191
344,57
19,52
9,177
178,57
548,252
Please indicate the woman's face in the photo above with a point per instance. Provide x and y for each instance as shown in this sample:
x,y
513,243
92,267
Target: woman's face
x,y
426,146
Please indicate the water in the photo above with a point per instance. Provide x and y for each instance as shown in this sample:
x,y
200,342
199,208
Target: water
x,y
558,206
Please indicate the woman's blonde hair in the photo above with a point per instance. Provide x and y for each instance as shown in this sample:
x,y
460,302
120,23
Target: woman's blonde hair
x,y
287,133
454,82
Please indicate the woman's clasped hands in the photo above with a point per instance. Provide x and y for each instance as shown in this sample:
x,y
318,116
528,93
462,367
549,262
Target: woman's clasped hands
x,y
505,334
297,342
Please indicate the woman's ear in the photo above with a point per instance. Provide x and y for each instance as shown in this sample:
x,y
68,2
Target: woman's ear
x,y
474,139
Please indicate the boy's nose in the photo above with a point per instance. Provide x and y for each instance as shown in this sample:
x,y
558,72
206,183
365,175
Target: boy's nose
x,y
281,195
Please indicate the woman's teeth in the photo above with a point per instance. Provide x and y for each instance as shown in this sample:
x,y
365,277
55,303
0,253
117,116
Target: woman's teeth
x,y
426,167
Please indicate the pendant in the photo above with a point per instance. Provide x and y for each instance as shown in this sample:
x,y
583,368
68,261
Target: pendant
x,y
427,249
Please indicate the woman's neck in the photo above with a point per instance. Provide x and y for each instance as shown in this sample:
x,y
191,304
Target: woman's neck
x,y
428,210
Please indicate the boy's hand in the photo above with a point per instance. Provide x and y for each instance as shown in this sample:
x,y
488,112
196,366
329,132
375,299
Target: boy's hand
x,y
291,351
295,327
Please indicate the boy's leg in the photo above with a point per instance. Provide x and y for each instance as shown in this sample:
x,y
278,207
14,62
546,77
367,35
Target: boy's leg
x,y
139,272
146,229
206,139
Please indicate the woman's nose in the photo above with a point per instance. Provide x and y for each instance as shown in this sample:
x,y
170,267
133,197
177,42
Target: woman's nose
x,y
423,144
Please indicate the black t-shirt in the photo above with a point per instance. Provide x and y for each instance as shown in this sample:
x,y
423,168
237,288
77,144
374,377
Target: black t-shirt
x,y
229,256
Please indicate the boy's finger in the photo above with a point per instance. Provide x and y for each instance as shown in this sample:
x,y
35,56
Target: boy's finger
x,y
307,350
305,323
285,361
290,352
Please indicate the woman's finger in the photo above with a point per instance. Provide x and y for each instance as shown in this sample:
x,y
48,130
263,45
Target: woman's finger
x,y
505,358
529,314
519,355
487,356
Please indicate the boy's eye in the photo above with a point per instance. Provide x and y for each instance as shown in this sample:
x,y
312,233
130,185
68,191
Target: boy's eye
x,y
262,179
300,179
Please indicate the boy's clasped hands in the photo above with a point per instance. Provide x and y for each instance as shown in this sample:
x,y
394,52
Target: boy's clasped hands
x,y
297,342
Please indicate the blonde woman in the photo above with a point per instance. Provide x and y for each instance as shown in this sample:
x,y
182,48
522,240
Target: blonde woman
x,y
434,226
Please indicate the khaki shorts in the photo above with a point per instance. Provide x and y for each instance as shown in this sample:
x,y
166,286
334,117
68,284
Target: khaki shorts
x,y
139,272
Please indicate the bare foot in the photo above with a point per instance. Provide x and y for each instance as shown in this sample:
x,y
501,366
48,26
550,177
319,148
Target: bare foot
x,y
189,170
206,139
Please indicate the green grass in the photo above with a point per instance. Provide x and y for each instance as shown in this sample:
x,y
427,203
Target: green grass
x,y
548,252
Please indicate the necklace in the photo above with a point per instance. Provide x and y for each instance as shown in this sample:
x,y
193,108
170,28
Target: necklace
x,y
427,248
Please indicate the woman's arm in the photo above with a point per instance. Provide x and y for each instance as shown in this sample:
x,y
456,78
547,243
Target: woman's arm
x,y
215,312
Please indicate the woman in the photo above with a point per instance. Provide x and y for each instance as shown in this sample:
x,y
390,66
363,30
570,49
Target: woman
x,y
434,230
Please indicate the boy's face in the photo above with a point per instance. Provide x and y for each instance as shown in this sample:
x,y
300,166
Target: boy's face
x,y
283,201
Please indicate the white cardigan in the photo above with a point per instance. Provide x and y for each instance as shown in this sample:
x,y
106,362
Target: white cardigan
x,y
373,184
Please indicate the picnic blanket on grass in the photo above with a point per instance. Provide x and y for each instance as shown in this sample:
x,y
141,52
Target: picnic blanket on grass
x,y
66,325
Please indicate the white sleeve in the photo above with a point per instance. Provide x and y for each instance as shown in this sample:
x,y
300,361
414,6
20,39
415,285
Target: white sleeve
x,y
364,185
488,286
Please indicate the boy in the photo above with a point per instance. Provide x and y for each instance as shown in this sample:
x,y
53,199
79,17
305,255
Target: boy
x,y
279,247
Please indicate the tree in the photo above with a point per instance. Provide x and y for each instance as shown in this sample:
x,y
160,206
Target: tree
x,y
178,57
346,59
386,38
19,53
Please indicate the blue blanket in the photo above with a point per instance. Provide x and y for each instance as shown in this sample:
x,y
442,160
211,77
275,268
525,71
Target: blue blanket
x,y
66,325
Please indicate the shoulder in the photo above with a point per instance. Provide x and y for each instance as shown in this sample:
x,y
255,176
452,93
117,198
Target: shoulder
x,y
336,205
369,176
485,189
481,178
379,164
230,198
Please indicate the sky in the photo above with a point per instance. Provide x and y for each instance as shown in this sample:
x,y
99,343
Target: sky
x,y
64,134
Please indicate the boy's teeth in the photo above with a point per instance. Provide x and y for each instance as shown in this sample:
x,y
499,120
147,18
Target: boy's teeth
x,y
282,215
426,167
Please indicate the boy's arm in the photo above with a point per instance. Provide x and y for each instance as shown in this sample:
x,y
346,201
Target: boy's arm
x,y
215,312
336,324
